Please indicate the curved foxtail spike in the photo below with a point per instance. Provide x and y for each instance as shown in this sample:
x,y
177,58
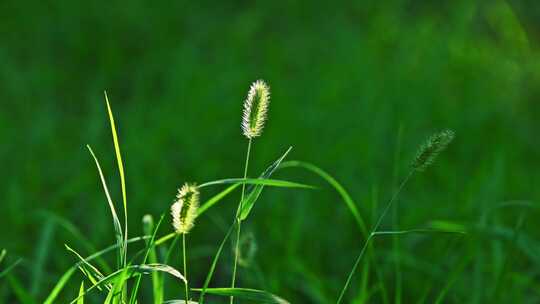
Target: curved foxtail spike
x,y
184,209
427,153
255,109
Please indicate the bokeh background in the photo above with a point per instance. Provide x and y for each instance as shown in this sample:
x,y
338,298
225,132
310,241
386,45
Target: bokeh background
x,y
356,87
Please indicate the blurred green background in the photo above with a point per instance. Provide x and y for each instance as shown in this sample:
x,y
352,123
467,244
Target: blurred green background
x,y
356,87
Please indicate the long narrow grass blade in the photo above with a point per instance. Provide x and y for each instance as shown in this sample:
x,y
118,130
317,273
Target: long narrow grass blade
x,y
453,276
213,200
69,273
3,255
183,301
117,227
260,296
117,293
22,296
89,270
255,191
166,261
81,294
73,230
336,185
257,181
149,248
157,278
398,232
165,238
131,271
10,268
93,268
109,298
43,247
214,262
121,172
59,286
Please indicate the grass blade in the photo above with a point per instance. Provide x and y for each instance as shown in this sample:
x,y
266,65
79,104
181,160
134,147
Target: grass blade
x,y
72,229
84,262
148,229
213,266
121,172
116,221
59,286
81,294
256,181
42,252
67,275
336,185
10,268
398,232
165,238
20,293
131,271
256,190
212,201
260,296
157,279
89,270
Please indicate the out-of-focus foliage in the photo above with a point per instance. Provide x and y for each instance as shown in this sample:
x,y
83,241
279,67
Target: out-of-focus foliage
x,y
345,78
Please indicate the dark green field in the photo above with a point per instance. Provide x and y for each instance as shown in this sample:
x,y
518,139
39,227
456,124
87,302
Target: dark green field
x,y
356,87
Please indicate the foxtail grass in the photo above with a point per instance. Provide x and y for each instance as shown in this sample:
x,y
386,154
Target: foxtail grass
x,y
117,284
426,155
184,211
253,120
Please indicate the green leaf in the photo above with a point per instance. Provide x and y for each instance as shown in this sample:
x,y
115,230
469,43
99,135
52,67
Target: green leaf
x,y
19,292
255,191
67,275
157,278
120,275
336,185
148,228
42,250
260,296
446,225
121,171
81,294
59,286
72,229
212,201
10,268
213,266
89,270
3,255
398,232
116,222
256,181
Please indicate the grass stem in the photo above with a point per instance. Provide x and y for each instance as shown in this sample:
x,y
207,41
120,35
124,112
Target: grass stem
x,y
239,221
373,233
185,266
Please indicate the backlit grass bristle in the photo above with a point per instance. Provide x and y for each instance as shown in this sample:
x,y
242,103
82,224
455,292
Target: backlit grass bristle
x,y
255,109
428,152
184,209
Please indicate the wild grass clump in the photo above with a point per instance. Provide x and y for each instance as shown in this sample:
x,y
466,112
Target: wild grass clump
x,y
112,282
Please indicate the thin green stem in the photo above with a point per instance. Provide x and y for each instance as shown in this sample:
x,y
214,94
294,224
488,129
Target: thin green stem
x,y
239,221
373,232
395,239
185,265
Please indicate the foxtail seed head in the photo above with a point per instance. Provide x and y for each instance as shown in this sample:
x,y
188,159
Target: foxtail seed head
x,y
255,109
184,209
428,152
